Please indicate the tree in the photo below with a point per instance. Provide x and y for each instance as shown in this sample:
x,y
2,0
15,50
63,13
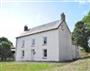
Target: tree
x,y
5,50
80,35
86,20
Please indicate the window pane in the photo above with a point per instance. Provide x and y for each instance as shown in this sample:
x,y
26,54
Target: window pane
x,y
23,44
45,52
45,40
33,42
22,53
33,50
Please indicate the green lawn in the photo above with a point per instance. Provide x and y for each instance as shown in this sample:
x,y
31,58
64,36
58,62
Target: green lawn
x,y
78,65
27,66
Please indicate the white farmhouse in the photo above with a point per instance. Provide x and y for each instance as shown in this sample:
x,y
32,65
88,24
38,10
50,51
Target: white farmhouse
x,y
49,42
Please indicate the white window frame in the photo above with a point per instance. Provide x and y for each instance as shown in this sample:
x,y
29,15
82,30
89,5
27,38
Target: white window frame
x,y
45,40
44,53
33,43
22,54
23,43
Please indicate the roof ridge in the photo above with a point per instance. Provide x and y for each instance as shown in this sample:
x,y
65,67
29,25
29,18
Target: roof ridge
x,y
43,24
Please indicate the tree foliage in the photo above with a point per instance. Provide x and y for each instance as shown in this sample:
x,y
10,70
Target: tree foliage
x,y
86,20
80,35
5,50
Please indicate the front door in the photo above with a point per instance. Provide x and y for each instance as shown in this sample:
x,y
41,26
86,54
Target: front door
x,y
32,54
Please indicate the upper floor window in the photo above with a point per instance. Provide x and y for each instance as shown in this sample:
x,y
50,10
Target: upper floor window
x,y
33,42
44,40
23,44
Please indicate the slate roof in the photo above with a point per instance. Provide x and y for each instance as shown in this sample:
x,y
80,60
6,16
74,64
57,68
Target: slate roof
x,y
45,27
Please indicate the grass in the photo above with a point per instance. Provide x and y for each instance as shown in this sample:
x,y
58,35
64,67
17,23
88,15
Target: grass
x,y
27,66
79,65
82,64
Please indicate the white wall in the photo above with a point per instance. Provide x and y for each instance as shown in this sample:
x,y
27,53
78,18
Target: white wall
x,y
59,46
76,52
65,43
52,46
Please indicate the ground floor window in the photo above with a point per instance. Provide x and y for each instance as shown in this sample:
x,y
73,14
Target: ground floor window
x,y
33,51
45,53
23,53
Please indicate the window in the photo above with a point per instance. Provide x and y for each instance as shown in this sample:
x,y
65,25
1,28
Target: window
x,y
45,53
44,40
33,42
33,51
23,53
23,44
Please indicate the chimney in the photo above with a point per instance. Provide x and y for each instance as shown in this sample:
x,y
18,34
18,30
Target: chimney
x,y
26,28
62,16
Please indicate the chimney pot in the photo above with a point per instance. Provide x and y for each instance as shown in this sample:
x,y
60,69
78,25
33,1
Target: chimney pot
x,y
63,17
25,28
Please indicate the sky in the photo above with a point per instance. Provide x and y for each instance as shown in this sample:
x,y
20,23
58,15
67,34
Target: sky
x,y
14,14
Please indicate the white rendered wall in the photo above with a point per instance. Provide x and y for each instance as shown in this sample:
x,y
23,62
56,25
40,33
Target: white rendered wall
x,y
52,47
65,44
